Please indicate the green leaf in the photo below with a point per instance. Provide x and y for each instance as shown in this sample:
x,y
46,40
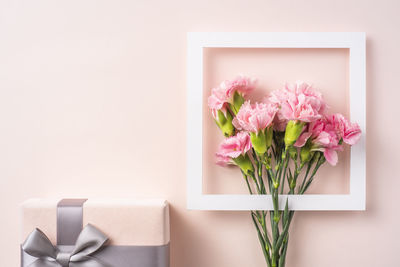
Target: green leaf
x,y
286,211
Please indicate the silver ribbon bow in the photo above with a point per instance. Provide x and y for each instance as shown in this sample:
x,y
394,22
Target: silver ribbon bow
x,y
89,241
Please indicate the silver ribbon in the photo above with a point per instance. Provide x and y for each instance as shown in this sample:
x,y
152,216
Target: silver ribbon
x,y
89,241
69,220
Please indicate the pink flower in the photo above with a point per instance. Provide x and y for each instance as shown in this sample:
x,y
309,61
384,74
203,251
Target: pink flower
x,y
331,156
256,117
298,101
217,99
324,137
224,93
329,144
242,84
233,147
350,132
223,160
313,130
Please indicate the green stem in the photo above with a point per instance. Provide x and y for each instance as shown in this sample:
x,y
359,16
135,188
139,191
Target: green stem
x,y
263,237
319,163
285,232
259,171
309,165
248,185
264,225
273,151
282,259
275,226
271,179
275,215
264,246
297,171
256,182
282,182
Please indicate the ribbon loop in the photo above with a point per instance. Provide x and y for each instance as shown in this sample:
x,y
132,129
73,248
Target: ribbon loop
x,y
89,241
38,245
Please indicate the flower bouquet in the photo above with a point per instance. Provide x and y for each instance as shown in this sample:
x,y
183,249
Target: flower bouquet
x,y
278,144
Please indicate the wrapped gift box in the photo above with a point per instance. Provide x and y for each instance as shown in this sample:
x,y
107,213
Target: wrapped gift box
x,y
137,231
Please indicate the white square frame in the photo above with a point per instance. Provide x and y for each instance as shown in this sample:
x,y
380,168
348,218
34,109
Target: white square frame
x,y
196,41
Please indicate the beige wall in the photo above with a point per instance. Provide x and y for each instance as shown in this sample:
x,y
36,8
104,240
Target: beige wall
x,y
92,103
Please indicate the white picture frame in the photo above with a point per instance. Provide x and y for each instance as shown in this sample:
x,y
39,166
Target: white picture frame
x,y
196,41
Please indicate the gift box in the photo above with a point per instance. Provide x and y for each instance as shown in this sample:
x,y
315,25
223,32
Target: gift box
x,y
95,233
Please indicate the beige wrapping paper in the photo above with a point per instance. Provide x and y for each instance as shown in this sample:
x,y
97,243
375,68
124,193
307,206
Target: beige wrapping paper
x,y
127,222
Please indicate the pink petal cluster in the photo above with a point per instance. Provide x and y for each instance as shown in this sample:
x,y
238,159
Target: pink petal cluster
x,y
224,92
233,147
242,84
350,132
326,134
256,117
324,138
298,101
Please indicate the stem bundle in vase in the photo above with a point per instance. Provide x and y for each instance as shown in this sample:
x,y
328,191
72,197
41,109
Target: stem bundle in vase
x,y
278,144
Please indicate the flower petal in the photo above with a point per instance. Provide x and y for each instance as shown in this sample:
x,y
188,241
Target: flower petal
x,y
331,156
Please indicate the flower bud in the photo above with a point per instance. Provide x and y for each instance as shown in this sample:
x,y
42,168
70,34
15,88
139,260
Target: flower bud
x,y
269,132
244,163
293,131
306,153
224,122
238,101
259,142
292,184
292,152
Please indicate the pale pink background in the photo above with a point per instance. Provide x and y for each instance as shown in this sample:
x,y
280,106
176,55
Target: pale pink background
x,y
92,103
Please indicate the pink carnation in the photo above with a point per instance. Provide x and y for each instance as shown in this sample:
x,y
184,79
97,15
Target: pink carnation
x,y
233,147
324,137
350,132
242,84
217,99
223,160
256,117
298,101
224,93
